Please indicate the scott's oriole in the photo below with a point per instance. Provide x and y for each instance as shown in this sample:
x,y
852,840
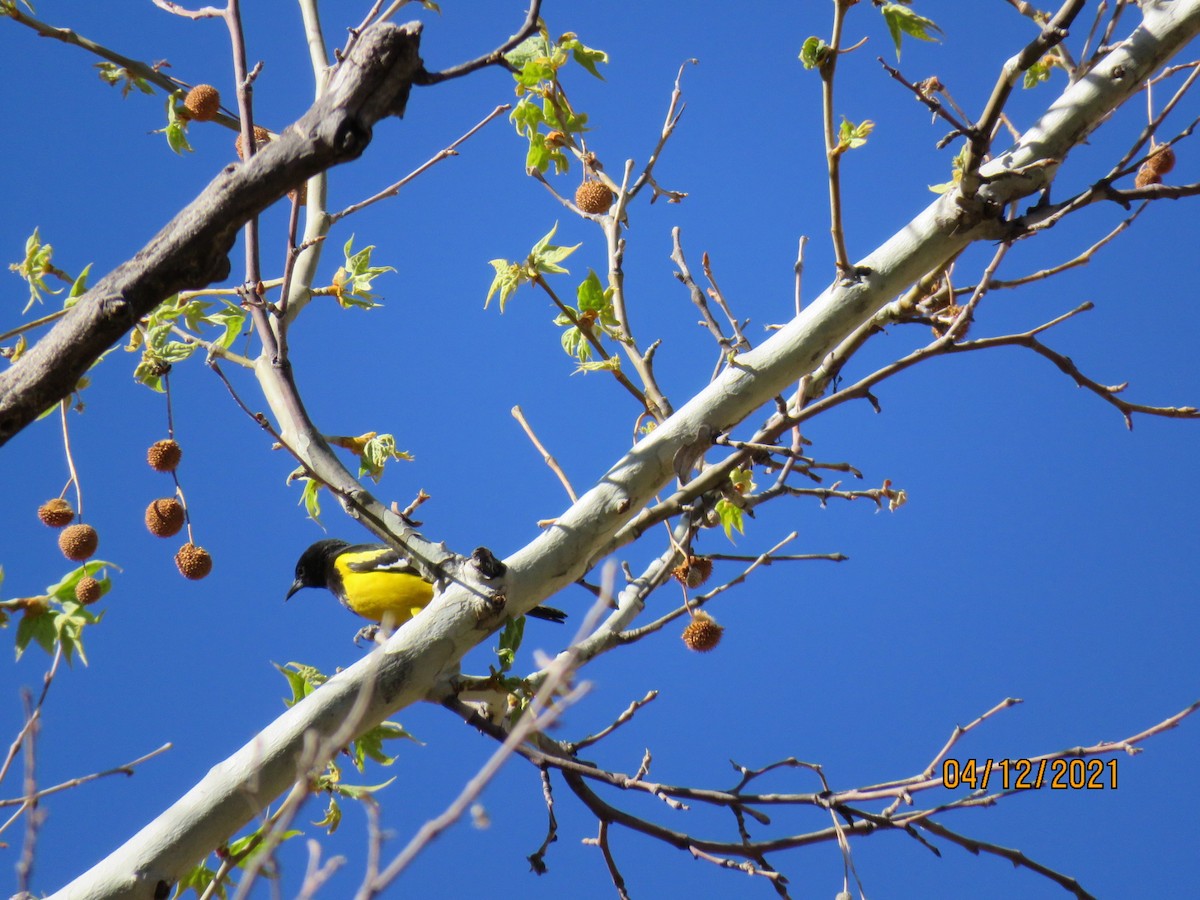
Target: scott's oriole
x,y
374,581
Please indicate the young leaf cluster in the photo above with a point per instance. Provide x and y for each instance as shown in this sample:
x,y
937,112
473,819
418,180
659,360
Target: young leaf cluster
x,y
352,281
903,21
595,313
112,74
57,617
543,103
729,510
155,336
37,264
543,259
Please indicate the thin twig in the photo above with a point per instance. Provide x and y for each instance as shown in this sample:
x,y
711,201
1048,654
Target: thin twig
x,y
547,457
445,153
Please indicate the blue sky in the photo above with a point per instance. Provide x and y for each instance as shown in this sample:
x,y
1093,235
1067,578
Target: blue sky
x,y
1046,552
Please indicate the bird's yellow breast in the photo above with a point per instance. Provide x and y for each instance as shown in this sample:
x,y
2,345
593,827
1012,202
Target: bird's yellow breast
x,y
379,594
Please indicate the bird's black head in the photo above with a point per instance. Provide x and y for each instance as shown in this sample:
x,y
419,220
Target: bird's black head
x,y
313,565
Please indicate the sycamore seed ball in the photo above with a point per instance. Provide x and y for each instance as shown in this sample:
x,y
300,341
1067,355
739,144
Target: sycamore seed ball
x,y
78,542
703,633
164,517
1146,176
593,197
193,562
202,102
164,456
694,572
261,136
56,513
1163,160
87,590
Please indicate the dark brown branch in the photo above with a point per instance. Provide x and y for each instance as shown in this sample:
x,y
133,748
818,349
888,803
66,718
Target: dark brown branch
x,y
496,57
192,250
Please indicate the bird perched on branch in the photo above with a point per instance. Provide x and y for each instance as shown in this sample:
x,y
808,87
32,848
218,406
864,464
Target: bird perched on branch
x,y
374,580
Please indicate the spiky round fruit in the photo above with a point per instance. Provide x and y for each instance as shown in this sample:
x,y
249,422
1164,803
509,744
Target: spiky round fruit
x,y
694,572
193,562
56,513
164,517
78,542
1146,176
703,633
593,197
87,590
164,456
1163,160
261,137
202,102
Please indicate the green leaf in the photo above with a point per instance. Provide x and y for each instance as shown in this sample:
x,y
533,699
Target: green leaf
x,y
960,159
352,281
112,74
370,744
302,680
509,277
35,627
333,816
533,47
851,136
231,319
311,499
585,56
361,791
78,288
730,515
540,155
510,642
526,117
592,295
814,52
198,879
901,21
612,364
545,257
176,128
65,588
377,452
36,264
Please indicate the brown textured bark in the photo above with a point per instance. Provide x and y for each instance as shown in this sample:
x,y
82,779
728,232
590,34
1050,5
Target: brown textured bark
x,y
191,251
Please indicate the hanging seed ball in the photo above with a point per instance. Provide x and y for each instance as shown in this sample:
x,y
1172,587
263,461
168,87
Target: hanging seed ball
x,y
1146,176
694,572
87,590
261,137
164,517
56,513
593,197
202,102
703,633
78,542
1163,160
164,456
193,562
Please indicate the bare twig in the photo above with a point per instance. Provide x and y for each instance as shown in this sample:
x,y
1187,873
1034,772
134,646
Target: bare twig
x,y
547,457
445,153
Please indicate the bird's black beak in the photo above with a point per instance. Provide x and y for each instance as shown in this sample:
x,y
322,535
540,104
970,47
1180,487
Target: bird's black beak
x,y
296,585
